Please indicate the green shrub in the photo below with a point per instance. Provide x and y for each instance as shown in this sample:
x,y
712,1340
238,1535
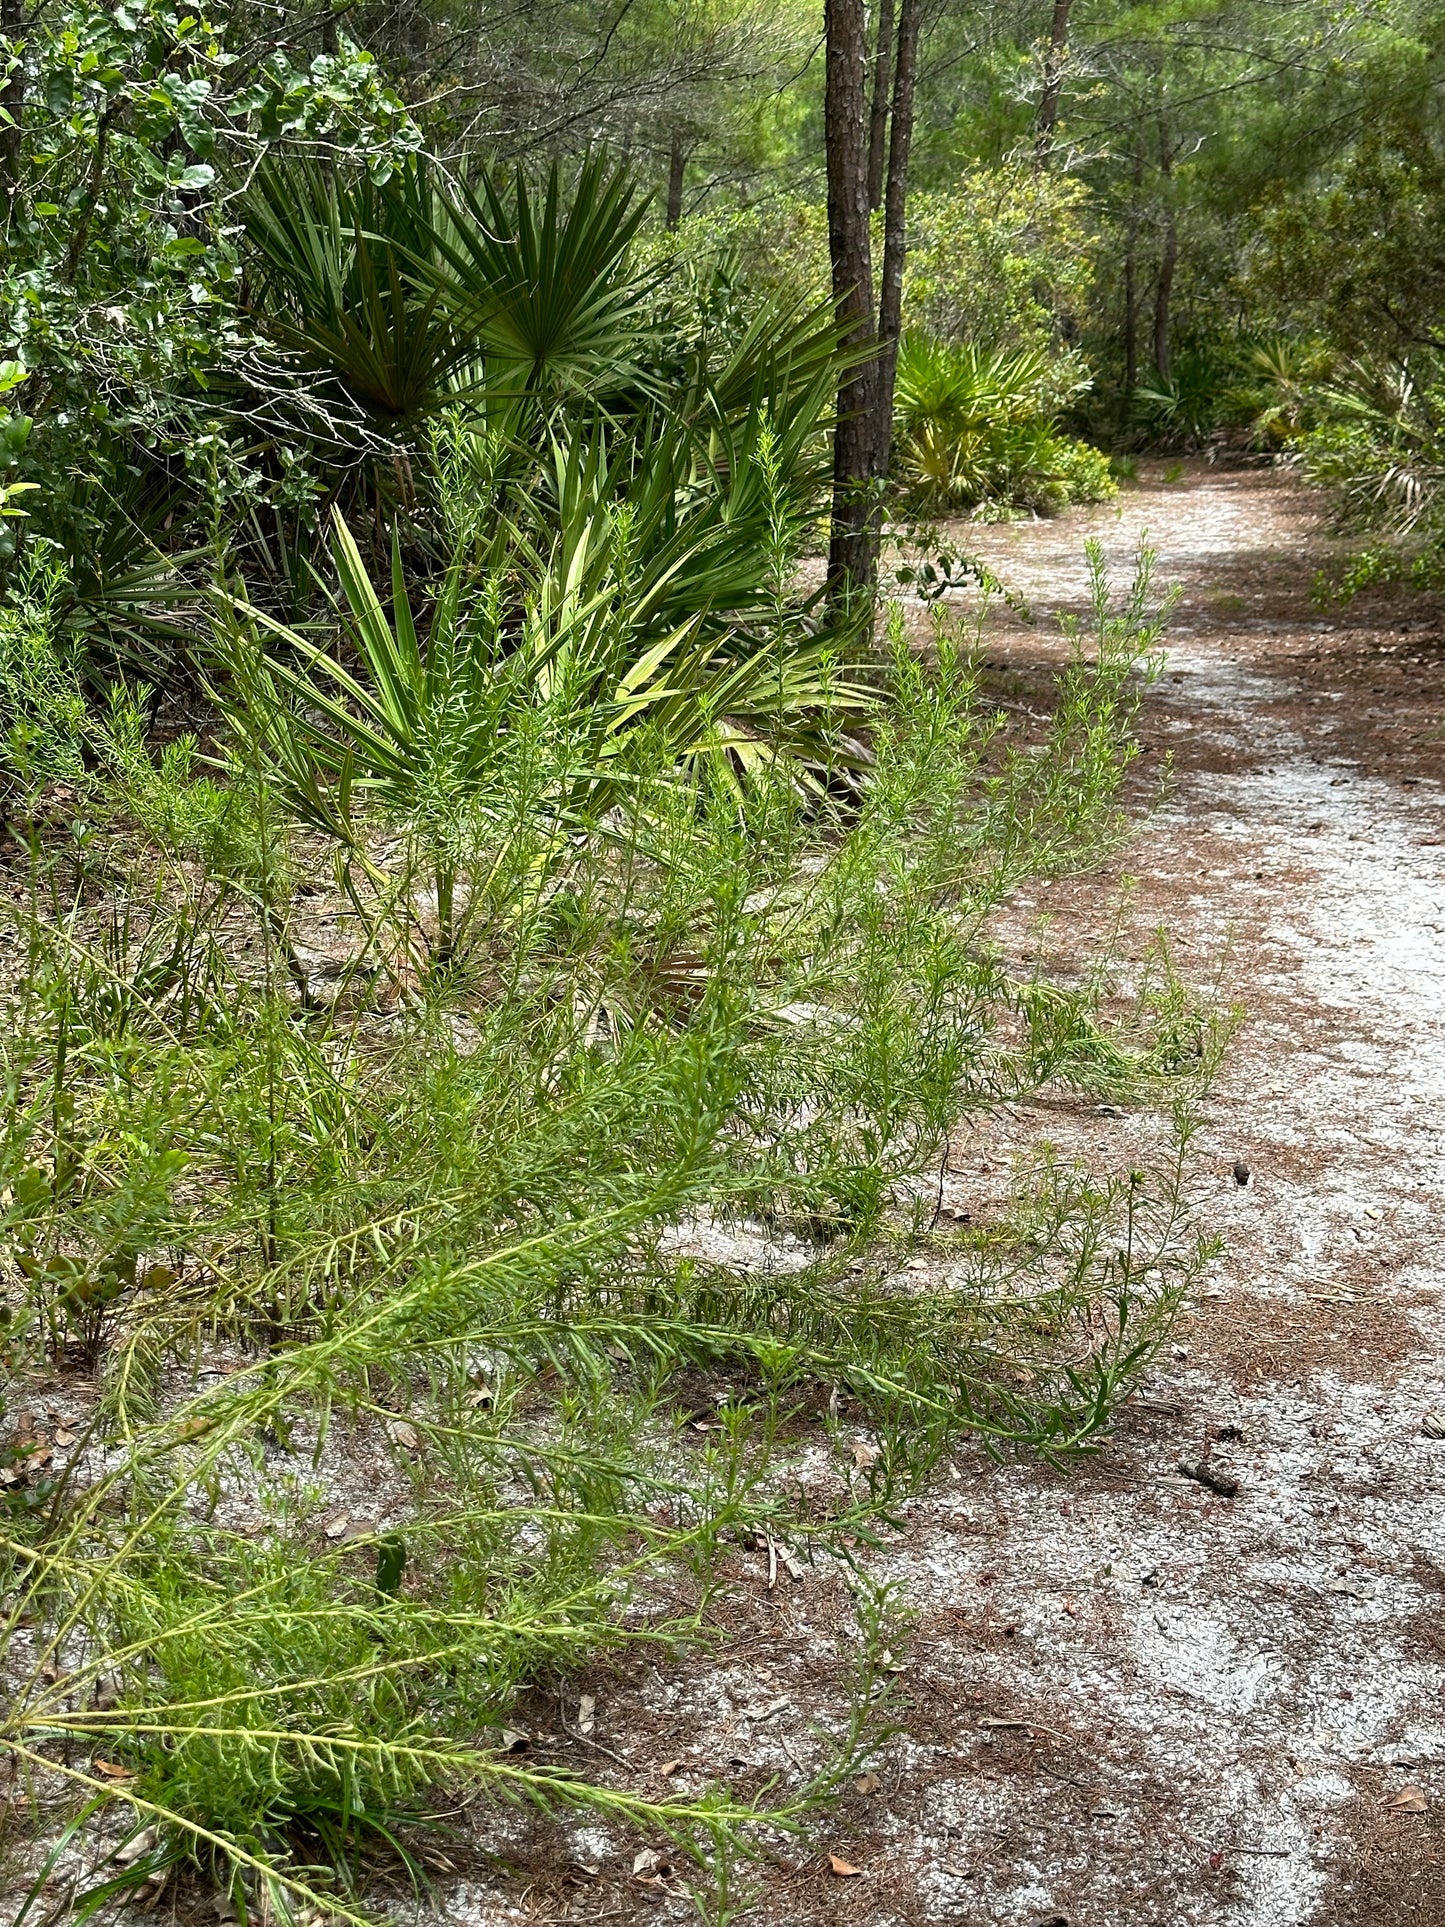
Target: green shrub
x,y
442,1222
42,706
1003,262
977,430
1372,437
1259,395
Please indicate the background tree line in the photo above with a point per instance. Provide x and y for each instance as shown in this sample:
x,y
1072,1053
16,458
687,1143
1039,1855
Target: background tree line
x,y
1144,225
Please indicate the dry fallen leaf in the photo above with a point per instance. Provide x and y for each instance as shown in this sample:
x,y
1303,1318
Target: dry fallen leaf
x,y
335,1524
867,1783
864,1455
108,1770
64,1437
644,1862
1433,1425
844,1869
131,1850
587,1716
668,1768
1410,1799
401,1433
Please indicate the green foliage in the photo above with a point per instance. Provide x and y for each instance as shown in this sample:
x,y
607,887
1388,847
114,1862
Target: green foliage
x,y
508,890
1003,262
1375,442
184,814
617,609
978,430
453,1225
41,701
120,287
1258,395
1197,401
407,295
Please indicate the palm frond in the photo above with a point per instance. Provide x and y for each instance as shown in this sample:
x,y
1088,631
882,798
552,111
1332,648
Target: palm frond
x,y
537,284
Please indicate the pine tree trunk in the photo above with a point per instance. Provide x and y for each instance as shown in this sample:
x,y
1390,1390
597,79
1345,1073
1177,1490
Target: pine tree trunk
x,y
1163,291
1131,293
676,169
12,100
1054,61
851,549
878,123
1168,257
1131,324
895,232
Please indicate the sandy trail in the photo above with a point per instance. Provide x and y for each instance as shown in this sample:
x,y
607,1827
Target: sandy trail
x,y
1217,1699
1245,1685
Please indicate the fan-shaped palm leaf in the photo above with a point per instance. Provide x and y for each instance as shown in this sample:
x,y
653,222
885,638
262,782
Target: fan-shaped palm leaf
x,y
537,285
345,272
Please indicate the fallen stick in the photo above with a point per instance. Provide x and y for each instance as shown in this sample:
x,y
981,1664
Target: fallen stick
x,y
1203,1473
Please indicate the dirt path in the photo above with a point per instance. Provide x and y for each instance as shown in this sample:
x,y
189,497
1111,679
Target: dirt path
x,y
1236,1689
1213,1701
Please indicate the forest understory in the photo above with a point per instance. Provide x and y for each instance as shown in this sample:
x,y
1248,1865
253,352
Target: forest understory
x,y
1191,1675
1127,1698
720,963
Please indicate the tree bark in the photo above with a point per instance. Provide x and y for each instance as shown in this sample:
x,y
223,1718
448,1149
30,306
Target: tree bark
x,y
850,550
676,170
95,175
878,121
1164,289
895,233
1131,292
12,100
1168,257
1131,324
1055,61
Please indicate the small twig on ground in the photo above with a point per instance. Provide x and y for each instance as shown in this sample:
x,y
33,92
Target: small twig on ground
x,y
1067,1778
596,1745
1205,1474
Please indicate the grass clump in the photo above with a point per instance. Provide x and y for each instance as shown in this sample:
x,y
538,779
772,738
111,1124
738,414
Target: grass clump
x,y
359,1126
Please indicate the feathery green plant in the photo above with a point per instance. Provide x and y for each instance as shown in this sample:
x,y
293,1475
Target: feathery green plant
x,y
299,1232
